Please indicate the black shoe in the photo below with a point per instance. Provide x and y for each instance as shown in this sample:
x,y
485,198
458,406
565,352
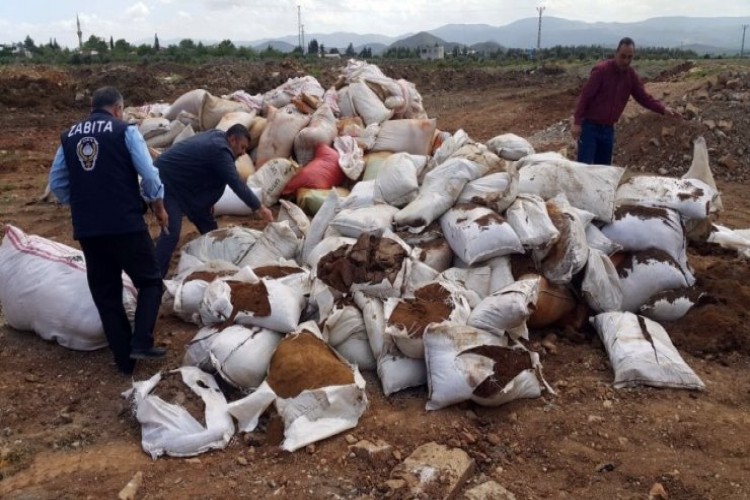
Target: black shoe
x,y
150,353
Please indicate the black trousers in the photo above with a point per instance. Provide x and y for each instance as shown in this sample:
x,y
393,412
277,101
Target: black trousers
x,y
106,258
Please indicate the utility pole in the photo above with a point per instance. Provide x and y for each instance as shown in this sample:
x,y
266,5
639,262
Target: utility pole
x,y
80,34
300,35
742,49
539,30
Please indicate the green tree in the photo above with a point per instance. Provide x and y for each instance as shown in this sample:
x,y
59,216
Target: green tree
x,y
187,44
144,49
28,43
156,42
111,43
225,48
312,47
322,49
121,45
350,50
95,43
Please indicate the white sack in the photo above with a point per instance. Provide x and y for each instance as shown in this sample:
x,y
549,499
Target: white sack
x,y
692,198
351,156
44,289
229,244
637,228
231,204
641,353
197,350
396,183
510,146
319,224
507,310
190,102
397,371
320,130
295,216
352,223
477,233
278,242
374,319
647,273
165,140
601,285
233,118
734,239
670,305
701,170
496,191
568,255
460,362
153,127
287,304
362,195
277,138
408,341
293,87
356,350
241,355
596,239
412,136
439,191
529,219
272,178
358,99
589,187
187,295
169,429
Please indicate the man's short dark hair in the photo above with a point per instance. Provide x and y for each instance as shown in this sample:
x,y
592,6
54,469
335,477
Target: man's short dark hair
x,y
105,97
625,41
238,130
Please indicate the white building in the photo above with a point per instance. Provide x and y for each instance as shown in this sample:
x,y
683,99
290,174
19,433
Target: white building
x,y
434,52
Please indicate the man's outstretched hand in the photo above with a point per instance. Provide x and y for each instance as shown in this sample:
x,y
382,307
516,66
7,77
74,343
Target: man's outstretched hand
x,y
265,213
673,113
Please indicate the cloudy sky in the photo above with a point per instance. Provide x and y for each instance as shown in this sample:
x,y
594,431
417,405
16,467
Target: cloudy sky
x,y
138,20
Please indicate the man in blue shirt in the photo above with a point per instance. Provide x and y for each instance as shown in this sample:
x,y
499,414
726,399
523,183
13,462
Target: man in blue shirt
x,y
195,173
96,171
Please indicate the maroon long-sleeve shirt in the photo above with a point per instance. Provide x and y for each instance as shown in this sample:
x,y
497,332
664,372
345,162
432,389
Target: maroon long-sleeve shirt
x,y
606,93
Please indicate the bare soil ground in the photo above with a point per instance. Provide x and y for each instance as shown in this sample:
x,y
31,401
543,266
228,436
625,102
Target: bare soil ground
x,y
64,432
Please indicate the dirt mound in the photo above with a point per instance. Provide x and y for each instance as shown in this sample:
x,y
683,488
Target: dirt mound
x,y
707,328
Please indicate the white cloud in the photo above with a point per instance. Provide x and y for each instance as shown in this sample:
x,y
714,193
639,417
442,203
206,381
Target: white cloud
x,y
183,15
138,11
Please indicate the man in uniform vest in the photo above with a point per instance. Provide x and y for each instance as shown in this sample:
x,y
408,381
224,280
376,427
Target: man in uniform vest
x,y
96,171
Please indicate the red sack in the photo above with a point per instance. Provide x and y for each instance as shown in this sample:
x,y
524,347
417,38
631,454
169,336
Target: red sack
x,y
323,172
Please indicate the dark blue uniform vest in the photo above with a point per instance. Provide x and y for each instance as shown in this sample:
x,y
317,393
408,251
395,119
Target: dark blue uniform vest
x,y
104,191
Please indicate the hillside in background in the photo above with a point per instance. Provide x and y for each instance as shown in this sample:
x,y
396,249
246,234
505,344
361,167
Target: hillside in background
x,y
713,35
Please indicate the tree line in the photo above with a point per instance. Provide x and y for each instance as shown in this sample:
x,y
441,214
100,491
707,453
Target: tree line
x,y
100,50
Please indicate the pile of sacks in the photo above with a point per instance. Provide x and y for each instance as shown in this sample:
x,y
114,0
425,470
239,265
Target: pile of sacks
x,y
430,270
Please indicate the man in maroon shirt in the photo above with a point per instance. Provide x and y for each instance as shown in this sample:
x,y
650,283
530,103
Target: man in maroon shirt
x,y
603,100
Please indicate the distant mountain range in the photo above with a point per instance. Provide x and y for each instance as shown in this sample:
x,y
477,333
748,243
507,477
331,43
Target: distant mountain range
x,y
705,35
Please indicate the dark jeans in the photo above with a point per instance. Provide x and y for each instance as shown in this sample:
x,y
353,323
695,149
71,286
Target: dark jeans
x,y
596,143
106,258
166,243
